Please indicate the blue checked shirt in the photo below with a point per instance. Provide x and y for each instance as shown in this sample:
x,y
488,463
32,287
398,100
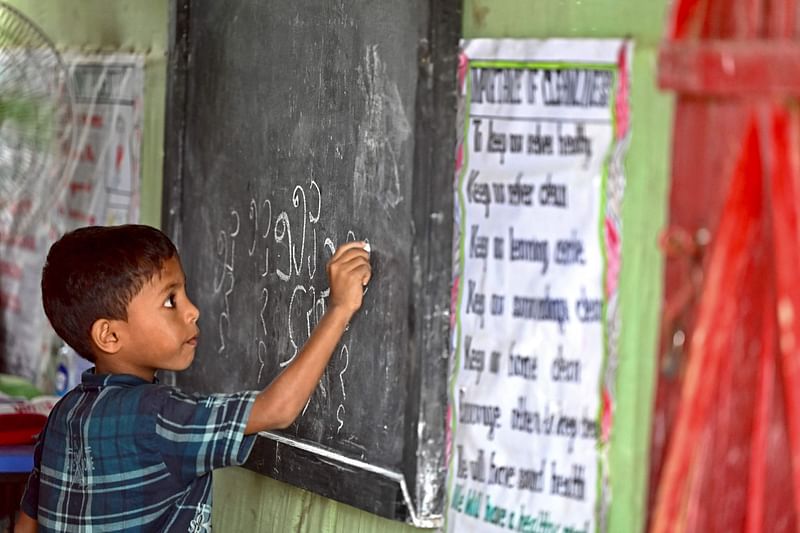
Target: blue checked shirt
x,y
120,453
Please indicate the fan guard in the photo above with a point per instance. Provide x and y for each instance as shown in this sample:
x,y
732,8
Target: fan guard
x,y
37,129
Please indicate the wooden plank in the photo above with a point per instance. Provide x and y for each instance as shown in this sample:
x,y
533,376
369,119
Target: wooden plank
x,y
731,68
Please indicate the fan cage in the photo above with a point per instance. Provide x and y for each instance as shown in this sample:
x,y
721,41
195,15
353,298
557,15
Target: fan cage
x,y
37,128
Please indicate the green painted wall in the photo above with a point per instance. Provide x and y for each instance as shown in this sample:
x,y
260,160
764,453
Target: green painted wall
x,y
644,211
246,501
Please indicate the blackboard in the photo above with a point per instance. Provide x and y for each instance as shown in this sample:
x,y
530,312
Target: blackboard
x,y
293,127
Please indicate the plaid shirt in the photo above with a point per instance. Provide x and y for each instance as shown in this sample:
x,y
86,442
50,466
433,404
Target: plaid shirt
x,y
119,453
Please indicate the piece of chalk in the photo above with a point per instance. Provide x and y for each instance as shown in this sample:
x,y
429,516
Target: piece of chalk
x,y
367,248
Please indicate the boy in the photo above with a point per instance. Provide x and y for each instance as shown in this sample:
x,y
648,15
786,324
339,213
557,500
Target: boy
x,y
120,451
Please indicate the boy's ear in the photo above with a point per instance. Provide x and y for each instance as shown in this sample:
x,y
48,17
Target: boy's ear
x,y
105,335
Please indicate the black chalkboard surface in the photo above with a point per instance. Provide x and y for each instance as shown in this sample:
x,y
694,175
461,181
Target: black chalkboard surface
x,y
293,127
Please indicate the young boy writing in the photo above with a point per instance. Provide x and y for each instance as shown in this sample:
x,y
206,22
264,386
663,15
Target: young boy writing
x,y
120,451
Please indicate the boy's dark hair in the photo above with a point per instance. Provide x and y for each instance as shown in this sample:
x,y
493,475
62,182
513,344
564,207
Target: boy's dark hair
x,y
94,272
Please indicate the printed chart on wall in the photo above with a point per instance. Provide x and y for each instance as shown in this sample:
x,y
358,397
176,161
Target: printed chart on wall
x,y
543,128
109,94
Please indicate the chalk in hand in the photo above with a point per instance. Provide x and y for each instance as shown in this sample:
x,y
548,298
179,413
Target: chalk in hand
x,y
369,251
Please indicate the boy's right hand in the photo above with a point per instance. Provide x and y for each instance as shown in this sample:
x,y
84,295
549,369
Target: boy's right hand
x,y
349,272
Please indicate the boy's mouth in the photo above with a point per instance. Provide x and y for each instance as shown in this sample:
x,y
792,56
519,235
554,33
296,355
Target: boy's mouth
x,y
193,340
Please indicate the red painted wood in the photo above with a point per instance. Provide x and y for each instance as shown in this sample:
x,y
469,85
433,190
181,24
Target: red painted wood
x,y
726,426
696,443
785,185
714,455
758,481
731,68
782,21
684,13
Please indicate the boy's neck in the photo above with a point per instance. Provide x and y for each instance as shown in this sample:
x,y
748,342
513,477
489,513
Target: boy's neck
x,y
108,367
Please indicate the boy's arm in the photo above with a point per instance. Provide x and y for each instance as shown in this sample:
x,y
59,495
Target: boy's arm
x,y
26,524
280,403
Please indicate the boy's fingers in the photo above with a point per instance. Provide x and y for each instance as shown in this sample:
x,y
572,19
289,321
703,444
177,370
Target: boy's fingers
x,y
366,275
358,266
363,272
348,255
348,246
353,258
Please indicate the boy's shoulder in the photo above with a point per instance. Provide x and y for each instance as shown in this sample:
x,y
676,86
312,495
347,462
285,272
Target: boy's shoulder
x,y
112,398
117,395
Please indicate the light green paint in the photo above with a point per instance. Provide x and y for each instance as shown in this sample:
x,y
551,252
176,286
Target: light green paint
x,y
258,504
641,20
135,26
644,215
644,210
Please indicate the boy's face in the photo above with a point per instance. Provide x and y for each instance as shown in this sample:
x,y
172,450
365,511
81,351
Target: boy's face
x,y
161,330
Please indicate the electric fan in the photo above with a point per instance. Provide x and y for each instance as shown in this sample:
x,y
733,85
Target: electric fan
x,y
37,130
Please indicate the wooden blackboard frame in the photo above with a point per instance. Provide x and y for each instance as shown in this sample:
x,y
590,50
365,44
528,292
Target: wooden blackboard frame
x,y
417,494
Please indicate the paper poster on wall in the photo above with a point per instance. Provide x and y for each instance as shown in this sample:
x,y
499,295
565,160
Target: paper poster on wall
x,y
109,97
543,128
102,188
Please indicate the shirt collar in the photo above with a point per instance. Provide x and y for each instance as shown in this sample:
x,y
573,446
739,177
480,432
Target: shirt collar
x,y
92,381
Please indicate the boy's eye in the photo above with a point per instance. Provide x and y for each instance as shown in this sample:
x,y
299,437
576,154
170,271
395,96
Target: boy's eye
x,y
170,301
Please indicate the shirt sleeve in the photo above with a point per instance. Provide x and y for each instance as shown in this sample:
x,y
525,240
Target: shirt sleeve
x,y
197,434
30,498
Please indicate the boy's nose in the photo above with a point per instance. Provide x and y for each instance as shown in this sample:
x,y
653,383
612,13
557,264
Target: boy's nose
x,y
193,313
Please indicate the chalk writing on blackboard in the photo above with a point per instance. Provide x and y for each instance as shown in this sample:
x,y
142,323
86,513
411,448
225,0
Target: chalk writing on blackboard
x,y
289,243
